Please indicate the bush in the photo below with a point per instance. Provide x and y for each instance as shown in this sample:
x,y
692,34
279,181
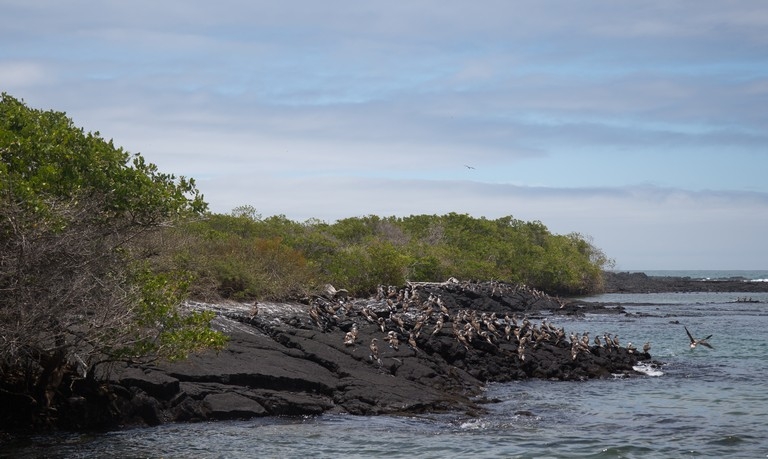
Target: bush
x,y
76,217
360,253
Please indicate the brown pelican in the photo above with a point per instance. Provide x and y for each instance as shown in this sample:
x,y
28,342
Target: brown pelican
x,y
695,342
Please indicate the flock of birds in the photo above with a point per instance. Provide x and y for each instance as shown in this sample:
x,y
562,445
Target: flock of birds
x,y
410,315
404,315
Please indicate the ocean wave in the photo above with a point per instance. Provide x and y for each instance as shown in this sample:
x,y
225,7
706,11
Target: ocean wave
x,y
650,369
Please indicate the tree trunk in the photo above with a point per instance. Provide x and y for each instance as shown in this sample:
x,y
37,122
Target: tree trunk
x,y
53,369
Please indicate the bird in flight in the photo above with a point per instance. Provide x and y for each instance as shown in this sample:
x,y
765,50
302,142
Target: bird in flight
x,y
695,342
468,166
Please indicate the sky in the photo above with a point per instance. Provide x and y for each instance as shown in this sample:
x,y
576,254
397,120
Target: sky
x,y
640,125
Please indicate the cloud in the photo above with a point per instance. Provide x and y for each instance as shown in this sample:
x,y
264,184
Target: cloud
x,y
22,74
641,125
642,227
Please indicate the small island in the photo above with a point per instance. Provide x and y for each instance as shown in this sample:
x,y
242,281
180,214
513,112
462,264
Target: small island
x,y
125,301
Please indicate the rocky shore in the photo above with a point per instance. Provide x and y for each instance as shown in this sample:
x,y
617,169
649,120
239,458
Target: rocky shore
x,y
633,282
423,347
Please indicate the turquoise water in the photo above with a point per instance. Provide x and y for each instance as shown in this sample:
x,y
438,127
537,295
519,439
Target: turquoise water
x,y
707,403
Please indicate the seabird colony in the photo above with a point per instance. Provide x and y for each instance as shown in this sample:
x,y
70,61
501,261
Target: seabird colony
x,y
410,315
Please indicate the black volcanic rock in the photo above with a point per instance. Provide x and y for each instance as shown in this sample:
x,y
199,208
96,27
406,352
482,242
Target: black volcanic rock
x,y
633,282
285,362
292,359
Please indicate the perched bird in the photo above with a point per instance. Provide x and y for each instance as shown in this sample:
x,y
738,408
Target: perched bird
x,y
418,325
398,321
631,347
314,313
351,336
412,342
392,340
442,306
438,325
462,339
695,342
646,347
369,316
374,351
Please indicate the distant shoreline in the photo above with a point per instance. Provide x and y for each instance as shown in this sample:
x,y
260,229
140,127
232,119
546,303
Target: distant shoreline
x,y
639,282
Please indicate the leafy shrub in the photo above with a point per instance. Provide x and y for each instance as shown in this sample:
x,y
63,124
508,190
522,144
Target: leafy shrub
x,y
76,215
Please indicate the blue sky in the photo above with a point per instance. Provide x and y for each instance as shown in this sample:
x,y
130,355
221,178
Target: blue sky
x,y
640,124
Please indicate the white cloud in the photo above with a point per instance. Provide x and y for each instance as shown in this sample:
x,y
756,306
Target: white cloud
x,y
335,109
641,227
22,74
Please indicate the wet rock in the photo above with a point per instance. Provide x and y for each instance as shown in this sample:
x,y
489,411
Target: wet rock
x,y
437,346
232,406
156,384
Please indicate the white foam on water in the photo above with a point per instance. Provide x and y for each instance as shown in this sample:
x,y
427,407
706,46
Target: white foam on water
x,y
475,424
649,369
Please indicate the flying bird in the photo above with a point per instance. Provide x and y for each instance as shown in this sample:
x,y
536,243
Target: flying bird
x,y
468,167
695,342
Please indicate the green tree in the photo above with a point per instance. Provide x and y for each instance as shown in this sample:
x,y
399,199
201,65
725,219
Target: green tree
x,y
76,283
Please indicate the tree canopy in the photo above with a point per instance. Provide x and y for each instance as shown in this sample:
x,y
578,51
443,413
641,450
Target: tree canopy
x,y
229,253
76,281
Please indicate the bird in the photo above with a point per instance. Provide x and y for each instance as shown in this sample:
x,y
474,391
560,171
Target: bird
x,y
461,338
374,350
351,336
412,342
695,342
646,347
438,325
468,166
314,313
391,338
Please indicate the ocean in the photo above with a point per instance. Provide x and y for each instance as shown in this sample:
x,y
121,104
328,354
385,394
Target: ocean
x,y
700,274
699,403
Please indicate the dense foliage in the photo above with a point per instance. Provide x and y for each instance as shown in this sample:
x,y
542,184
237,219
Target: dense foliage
x,y
243,255
77,216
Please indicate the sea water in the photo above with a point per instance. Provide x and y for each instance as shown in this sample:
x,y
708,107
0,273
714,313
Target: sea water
x,y
699,403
